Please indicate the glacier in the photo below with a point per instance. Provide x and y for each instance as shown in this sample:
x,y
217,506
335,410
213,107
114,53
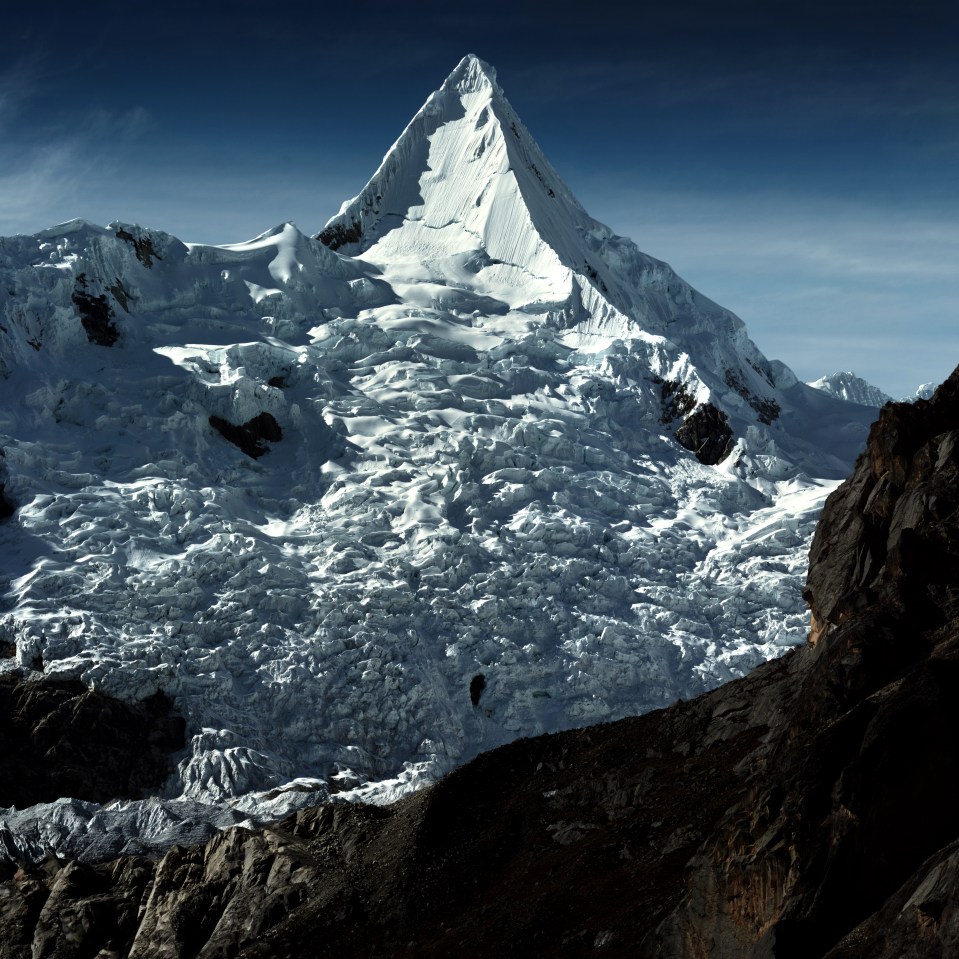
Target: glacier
x,y
503,443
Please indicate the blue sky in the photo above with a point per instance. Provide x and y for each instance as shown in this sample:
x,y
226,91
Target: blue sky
x,y
796,162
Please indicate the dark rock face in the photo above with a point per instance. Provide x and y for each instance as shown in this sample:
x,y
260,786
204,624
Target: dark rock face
x,y
807,810
707,433
7,509
921,921
60,739
705,430
676,400
339,235
767,410
60,909
96,315
251,436
143,247
892,517
477,685
121,294
853,790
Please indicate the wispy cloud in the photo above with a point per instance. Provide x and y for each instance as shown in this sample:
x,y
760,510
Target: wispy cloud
x,y
37,183
823,284
19,81
47,167
828,237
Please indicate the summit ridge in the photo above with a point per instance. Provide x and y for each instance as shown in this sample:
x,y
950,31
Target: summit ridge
x,y
472,75
466,185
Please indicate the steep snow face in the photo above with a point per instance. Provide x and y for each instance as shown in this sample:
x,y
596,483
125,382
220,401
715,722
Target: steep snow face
x,y
314,496
465,197
852,388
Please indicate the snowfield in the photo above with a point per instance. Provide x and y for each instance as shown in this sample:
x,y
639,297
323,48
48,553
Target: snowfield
x,y
477,395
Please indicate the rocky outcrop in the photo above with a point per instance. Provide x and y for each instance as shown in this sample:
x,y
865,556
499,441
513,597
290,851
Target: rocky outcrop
x,y
143,247
252,436
7,509
676,400
95,313
338,234
707,433
890,525
767,409
920,921
852,788
804,811
62,739
704,429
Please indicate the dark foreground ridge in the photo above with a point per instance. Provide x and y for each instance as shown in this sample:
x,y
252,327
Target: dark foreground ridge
x,y
806,810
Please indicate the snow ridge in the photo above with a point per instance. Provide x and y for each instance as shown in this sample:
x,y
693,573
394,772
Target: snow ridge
x,y
469,467
852,388
466,182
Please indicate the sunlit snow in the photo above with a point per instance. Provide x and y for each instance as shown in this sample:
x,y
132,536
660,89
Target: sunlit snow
x,y
854,389
474,477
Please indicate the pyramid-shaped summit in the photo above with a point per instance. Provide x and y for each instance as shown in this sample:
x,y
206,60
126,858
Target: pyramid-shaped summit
x,y
464,175
472,75
466,198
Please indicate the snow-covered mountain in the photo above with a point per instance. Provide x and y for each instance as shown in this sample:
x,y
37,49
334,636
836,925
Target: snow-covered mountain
x,y
467,467
854,389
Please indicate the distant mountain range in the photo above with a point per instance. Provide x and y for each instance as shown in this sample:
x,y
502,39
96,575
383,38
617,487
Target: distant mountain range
x,y
854,389
848,386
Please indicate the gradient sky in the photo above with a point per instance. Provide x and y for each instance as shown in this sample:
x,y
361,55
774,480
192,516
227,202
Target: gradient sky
x,y
796,162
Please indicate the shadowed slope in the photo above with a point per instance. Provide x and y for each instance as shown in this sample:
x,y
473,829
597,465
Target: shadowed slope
x,y
62,739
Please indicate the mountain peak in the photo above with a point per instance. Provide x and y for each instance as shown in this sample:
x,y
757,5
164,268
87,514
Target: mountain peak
x,y
472,75
847,386
465,175
466,184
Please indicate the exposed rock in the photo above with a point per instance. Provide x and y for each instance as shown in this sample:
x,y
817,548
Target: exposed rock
x,y
142,246
62,739
59,910
338,235
477,685
806,810
767,410
96,315
7,509
121,294
707,433
218,898
676,399
921,921
705,430
855,786
878,510
252,436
